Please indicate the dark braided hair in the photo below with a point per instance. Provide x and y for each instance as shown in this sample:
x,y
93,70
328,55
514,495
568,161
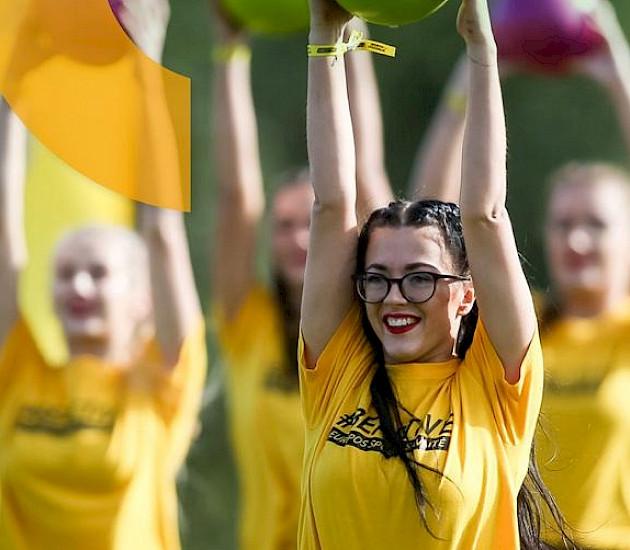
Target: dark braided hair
x,y
446,218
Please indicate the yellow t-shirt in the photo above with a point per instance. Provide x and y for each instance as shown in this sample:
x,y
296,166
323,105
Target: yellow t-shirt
x,y
89,452
266,424
463,419
585,454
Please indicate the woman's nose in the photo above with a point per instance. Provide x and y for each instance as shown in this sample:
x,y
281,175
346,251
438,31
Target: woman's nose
x,y
579,239
83,284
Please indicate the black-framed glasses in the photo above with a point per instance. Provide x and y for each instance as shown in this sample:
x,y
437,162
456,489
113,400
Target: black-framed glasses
x,y
416,287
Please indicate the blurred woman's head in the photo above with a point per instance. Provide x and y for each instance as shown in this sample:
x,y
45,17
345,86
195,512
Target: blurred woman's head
x,y
102,291
291,219
421,246
587,235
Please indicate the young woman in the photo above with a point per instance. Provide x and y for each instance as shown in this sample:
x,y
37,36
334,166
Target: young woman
x,y
89,450
585,326
419,419
583,444
258,324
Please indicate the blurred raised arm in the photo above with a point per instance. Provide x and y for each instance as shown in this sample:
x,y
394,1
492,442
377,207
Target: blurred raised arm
x,y
611,66
437,172
503,296
328,292
12,239
240,194
373,187
176,307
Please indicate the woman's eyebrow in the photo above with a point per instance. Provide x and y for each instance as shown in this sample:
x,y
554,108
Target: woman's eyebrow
x,y
419,265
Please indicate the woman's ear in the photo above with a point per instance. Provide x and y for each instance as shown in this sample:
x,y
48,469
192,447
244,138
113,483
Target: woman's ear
x,y
468,300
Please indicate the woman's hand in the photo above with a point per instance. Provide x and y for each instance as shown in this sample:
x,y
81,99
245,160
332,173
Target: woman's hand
x,y
473,24
228,31
607,65
146,22
327,15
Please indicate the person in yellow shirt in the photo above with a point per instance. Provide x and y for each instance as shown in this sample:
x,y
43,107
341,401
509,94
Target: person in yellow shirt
x,y
419,417
89,450
584,443
257,325
584,446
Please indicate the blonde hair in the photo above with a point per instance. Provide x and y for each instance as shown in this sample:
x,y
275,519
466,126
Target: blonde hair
x,y
590,173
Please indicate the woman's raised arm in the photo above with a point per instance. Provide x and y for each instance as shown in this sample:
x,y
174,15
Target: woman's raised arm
x,y
241,199
328,293
12,239
176,305
610,67
437,173
503,295
373,187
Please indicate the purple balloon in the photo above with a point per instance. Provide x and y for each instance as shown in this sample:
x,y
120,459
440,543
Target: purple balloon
x,y
543,35
117,7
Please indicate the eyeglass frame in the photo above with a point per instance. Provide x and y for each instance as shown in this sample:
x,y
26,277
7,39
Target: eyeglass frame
x,y
398,281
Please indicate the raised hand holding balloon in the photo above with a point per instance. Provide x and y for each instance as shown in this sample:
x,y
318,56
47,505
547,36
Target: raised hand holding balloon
x,y
545,35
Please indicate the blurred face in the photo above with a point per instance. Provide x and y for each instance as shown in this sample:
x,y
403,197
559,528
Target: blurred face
x,y
588,239
291,219
95,298
411,332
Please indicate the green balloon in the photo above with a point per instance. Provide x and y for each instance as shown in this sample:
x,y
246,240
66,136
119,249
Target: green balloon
x,y
269,16
392,12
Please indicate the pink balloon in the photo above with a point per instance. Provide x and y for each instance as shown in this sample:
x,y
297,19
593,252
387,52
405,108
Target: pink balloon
x,y
543,35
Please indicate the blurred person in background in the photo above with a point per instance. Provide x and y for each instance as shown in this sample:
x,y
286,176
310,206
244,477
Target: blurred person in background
x,y
89,450
585,325
257,324
584,443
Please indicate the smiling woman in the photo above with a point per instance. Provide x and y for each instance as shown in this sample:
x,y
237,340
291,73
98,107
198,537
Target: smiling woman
x,y
419,416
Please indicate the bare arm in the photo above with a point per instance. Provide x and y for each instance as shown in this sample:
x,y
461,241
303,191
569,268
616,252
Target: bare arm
x,y
176,307
437,171
240,195
328,293
373,187
503,295
175,301
12,239
611,66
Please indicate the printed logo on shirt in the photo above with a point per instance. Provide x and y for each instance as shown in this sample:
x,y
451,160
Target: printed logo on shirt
x,y
65,421
363,432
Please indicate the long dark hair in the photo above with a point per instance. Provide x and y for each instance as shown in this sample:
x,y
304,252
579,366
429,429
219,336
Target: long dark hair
x,y
446,218
289,313
289,318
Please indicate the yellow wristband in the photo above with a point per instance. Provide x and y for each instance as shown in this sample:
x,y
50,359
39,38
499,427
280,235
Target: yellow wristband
x,y
232,52
456,102
356,42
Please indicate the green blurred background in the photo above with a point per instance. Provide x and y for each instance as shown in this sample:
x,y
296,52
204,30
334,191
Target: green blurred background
x,y
550,121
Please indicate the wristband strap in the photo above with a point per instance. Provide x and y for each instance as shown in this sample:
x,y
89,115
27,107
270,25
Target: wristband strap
x,y
355,42
232,52
456,102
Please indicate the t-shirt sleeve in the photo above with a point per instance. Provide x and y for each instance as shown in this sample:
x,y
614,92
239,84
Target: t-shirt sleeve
x,y
234,335
515,406
343,364
19,348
